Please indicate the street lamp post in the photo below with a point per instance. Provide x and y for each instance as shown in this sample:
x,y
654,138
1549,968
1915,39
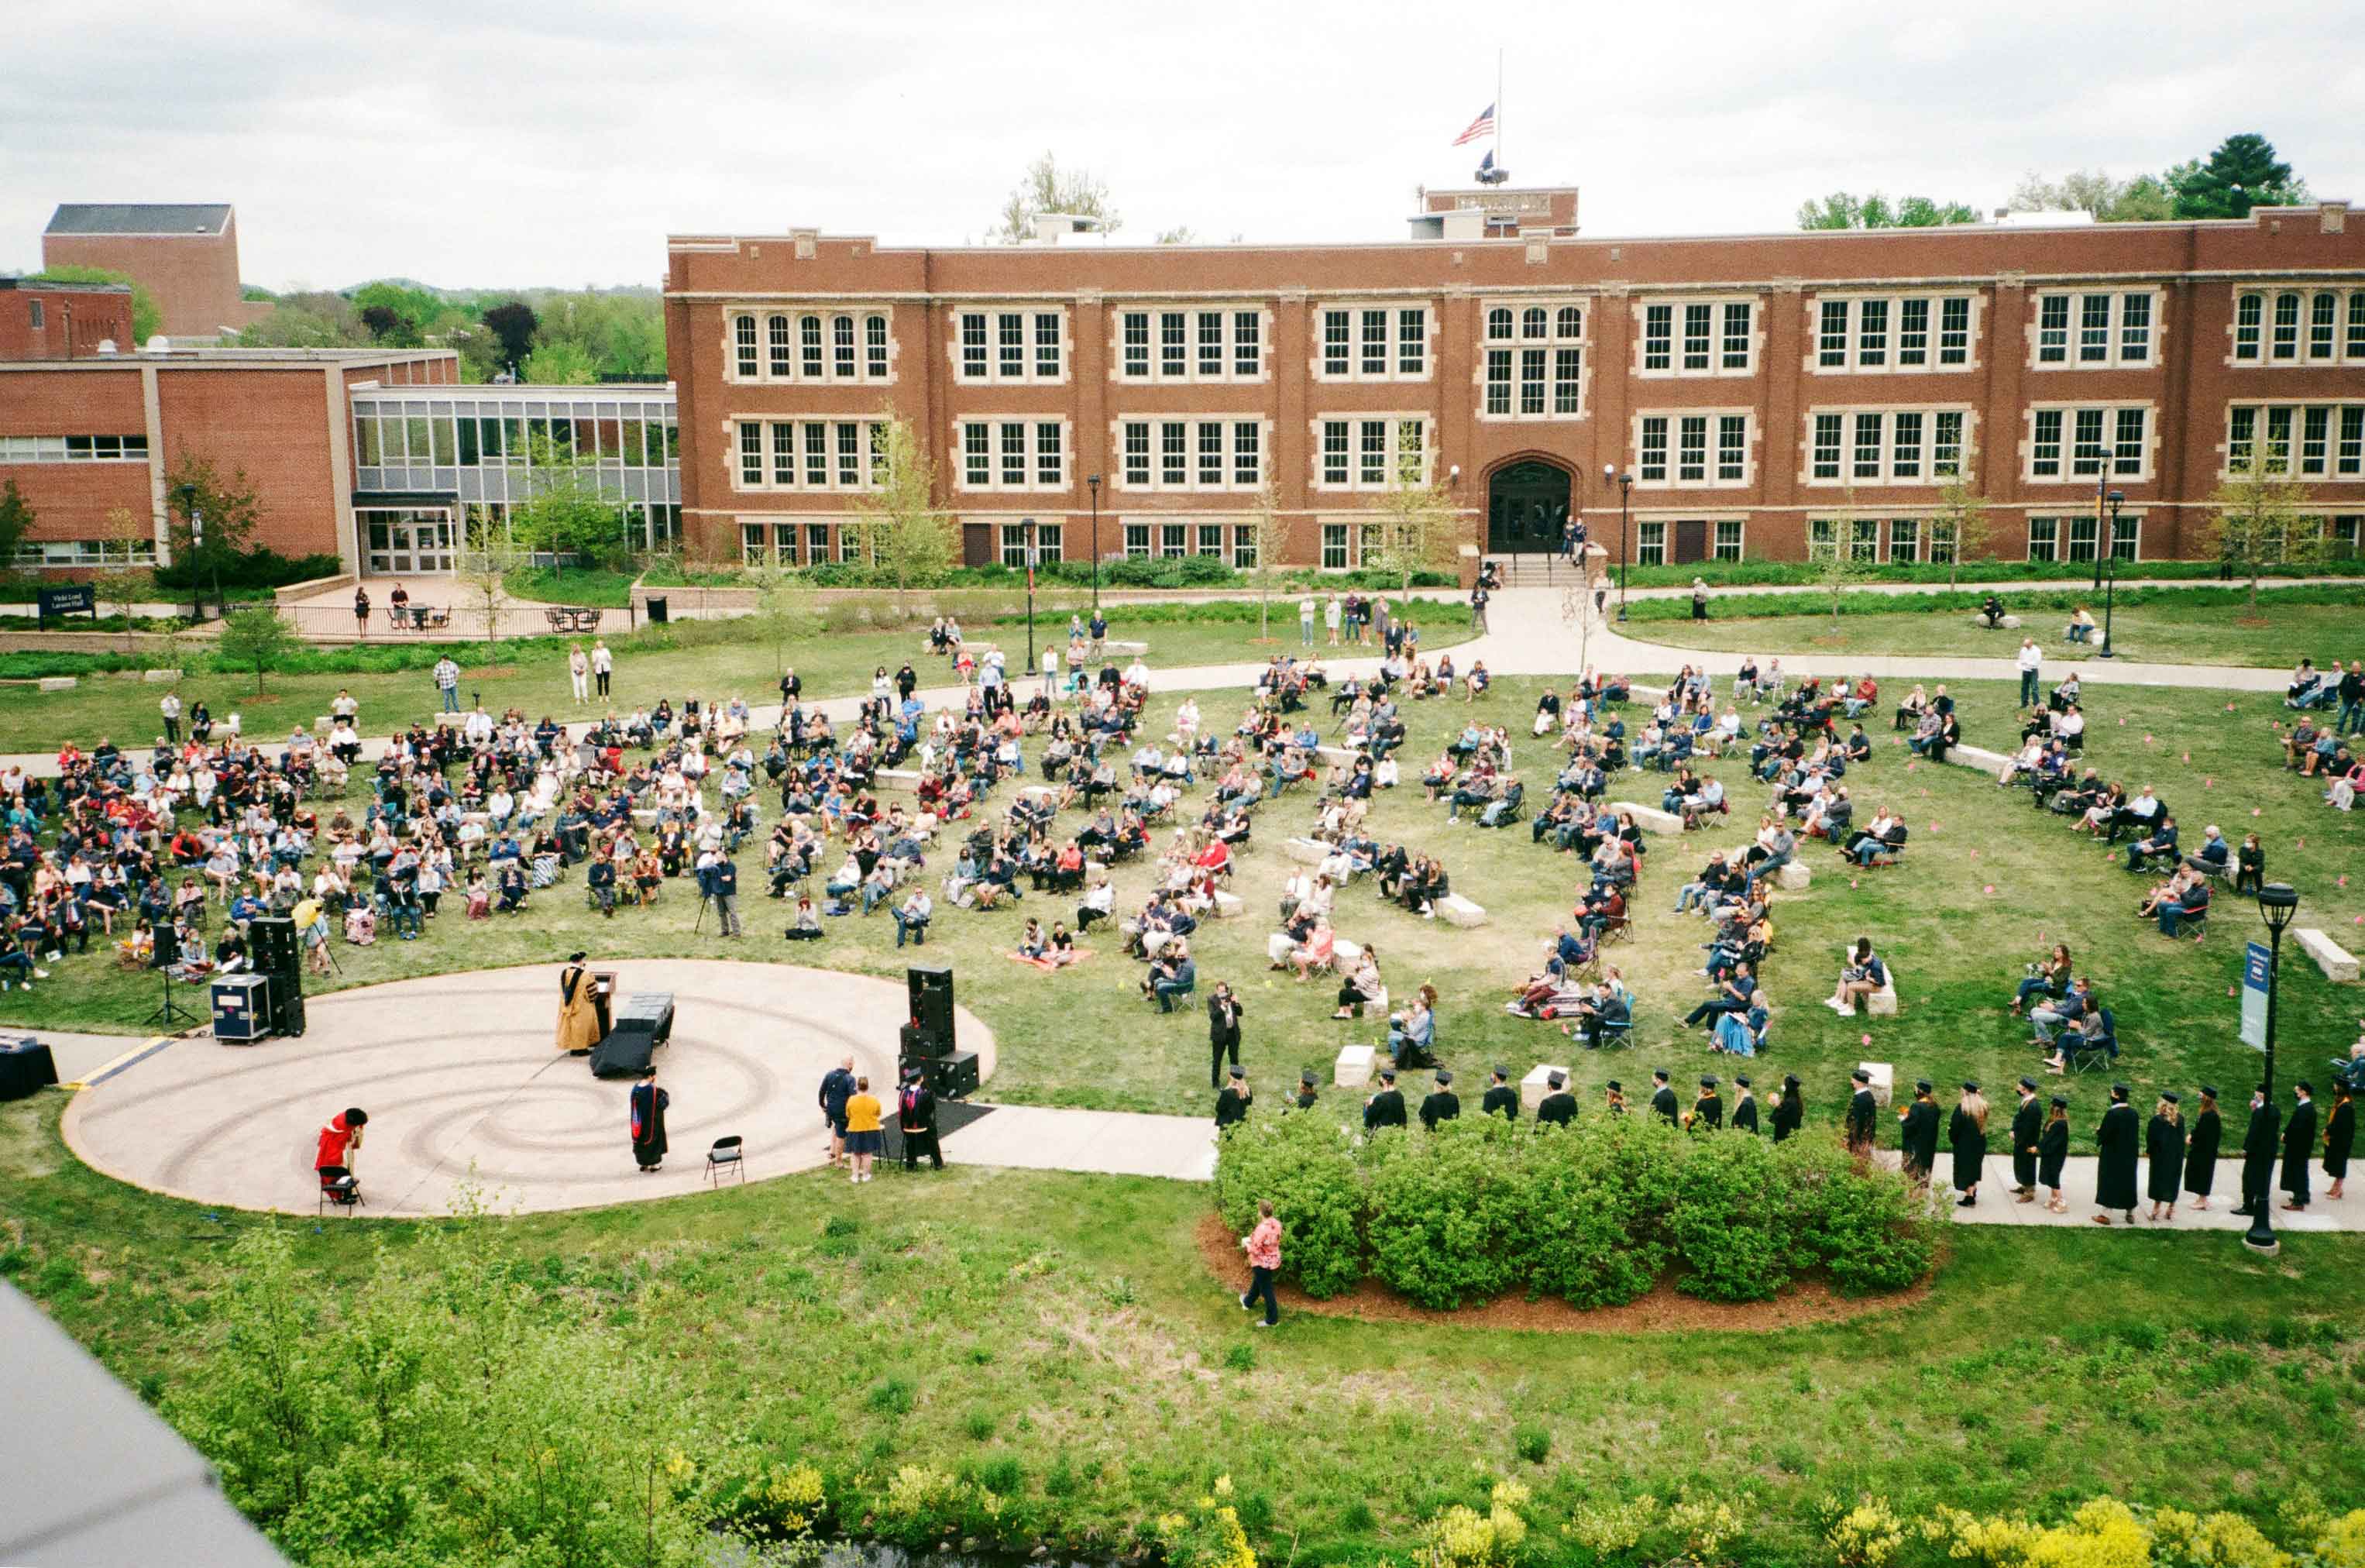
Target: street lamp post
x,y
1095,482
197,549
2116,499
1625,483
2101,499
2276,904
1028,523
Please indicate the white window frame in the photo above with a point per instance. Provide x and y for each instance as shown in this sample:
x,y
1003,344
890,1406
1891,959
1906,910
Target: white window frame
x,y
1394,342
2070,456
62,448
996,372
2262,337
788,360
1154,370
1716,538
1553,344
1640,422
1124,428
1395,422
1890,344
1653,544
57,555
804,462
1678,339
2337,457
1930,468
1034,447
1049,544
2118,327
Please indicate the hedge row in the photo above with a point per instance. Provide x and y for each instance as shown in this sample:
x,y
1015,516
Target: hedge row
x,y
1772,606
1804,574
1595,1213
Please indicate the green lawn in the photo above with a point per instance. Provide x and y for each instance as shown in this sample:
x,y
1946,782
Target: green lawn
x,y
2162,630
715,660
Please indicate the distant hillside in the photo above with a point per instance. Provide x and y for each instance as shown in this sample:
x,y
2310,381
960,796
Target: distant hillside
x,y
462,295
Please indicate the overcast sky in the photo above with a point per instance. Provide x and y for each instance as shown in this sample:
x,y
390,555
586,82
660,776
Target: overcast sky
x,y
533,142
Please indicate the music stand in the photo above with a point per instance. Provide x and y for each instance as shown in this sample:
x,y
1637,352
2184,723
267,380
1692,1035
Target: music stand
x,y
163,1017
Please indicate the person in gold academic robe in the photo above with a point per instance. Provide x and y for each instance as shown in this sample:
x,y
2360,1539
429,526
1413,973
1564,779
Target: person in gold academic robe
x,y
578,1020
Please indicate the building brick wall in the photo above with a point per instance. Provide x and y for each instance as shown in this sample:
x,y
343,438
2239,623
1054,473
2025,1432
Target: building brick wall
x,y
2186,386
193,277
74,321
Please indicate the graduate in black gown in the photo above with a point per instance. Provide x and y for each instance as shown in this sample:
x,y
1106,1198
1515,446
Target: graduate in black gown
x,y
1917,1135
1744,1107
2339,1137
1707,1113
649,1104
2258,1146
2027,1126
1386,1108
1663,1097
1305,1095
1441,1103
2164,1147
1500,1099
2200,1148
2052,1152
1789,1110
1967,1130
2119,1138
2299,1145
1232,1104
1559,1107
1859,1115
1613,1097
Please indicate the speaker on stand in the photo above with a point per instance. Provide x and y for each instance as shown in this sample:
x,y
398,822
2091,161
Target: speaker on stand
x,y
931,993
271,940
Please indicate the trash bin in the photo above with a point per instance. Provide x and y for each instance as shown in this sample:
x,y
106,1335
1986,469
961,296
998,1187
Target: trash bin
x,y
658,616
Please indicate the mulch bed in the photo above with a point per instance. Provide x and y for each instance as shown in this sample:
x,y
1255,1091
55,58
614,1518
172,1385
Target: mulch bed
x,y
1806,1303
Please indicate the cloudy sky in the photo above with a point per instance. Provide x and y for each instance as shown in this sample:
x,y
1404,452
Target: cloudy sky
x,y
536,142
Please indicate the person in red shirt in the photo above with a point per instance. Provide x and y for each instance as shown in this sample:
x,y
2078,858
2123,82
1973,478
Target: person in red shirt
x,y
341,1142
1263,1247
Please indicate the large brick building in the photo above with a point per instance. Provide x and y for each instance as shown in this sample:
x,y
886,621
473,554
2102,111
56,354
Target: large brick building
x,y
60,321
1762,391
184,254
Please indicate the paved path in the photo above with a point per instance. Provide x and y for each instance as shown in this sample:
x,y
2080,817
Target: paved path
x,y
1996,1205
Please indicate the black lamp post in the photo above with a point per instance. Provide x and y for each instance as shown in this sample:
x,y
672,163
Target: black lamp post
x,y
2101,499
2115,500
2276,904
197,548
1625,483
1095,482
1029,524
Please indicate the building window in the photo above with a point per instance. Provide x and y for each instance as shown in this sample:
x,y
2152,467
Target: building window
x,y
1244,546
1826,459
1192,345
1382,448
1136,540
1698,337
829,455
779,359
743,334
1012,345
1943,537
51,554
805,347
1137,454
751,454
1904,539
1727,545
1823,539
1248,461
1651,544
1334,546
2340,536
1895,446
1012,454
2330,438
1893,332
34,317
1534,362
1373,342
1692,463
2044,537
2108,441
755,542
1014,544
80,449
2095,330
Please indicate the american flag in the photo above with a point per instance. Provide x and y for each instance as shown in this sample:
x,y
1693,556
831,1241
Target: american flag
x,y
1483,126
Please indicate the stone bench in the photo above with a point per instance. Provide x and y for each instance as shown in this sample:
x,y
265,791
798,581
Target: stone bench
x,y
1650,819
897,778
1884,1081
1881,1003
2336,962
1538,1084
1354,1068
1306,851
1345,953
1794,878
1229,906
159,677
1343,756
1119,646
1990,763
59,683
2009,624
1459,911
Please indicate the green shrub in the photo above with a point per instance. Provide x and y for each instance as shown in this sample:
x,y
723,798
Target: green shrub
x,y
1531,1443
1731,1220
1306,1165
1865,1227
1448,1212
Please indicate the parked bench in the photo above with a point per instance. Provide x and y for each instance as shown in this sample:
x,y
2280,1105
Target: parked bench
x,y
1229,906
897,778
1459,911
1119,645
59,682
2009,624
1794,878
2336,962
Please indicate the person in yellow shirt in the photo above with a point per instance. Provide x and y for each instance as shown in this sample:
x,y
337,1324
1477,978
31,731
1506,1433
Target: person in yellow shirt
x,y
862,1134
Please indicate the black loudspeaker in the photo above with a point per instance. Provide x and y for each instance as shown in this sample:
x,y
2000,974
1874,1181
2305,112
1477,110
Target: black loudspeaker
x,y
288,1005
932,1006
272,939
951,1077
917,1045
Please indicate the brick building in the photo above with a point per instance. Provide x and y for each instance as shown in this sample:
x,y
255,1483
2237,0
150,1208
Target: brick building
x,y
1762,391
60,321
185,255
83,437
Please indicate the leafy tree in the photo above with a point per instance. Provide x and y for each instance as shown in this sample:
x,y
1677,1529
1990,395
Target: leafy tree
x,y
786,608
482,568
312,320
2261,520
255,294
512,325
618,334
258,639
1837,566
2143,199
146,319
560,364
383,321
1417,522
1842,210
15,520
567,513
2243,172
1962,517
1269,537
195,489
1179,235
120,581
908,541
1047,187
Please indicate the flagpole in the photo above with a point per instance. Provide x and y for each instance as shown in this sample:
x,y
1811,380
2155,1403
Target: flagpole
x,y
1498,107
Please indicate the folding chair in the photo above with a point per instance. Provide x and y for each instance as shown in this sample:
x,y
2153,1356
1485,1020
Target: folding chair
x,y
728,1153
340,1188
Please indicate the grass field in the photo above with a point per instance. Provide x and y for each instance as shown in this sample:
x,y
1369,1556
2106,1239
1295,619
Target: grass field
x,y
715,660
2164,630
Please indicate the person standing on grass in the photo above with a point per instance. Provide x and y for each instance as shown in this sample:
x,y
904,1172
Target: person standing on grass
x,y
447,682
1306,621
1263,1247
862,1132
171,708
2032,666
1223,1011
1789,1110
579,674
2119,1140
603,665
1699,599
2200,1148
1232,1104
1331,612
1859,1115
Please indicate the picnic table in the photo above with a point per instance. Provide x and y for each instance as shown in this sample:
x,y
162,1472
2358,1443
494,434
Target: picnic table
x,y
565,618
417,617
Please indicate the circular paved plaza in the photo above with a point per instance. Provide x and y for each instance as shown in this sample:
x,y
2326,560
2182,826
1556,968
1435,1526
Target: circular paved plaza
x,y
463,1084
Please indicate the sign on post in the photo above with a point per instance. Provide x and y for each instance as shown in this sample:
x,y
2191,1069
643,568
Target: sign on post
x,y
69,598
2254,997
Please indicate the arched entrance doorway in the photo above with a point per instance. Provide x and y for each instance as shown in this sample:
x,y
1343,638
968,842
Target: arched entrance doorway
x,y
1527,507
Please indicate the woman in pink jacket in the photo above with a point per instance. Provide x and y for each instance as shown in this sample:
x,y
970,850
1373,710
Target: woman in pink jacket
x,y
1263,1247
